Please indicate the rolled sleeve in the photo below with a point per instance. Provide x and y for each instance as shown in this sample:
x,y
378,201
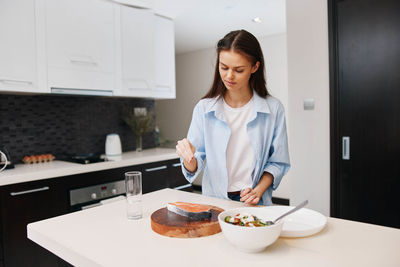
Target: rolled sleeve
x,y
196,137
278,162
191,176
277,171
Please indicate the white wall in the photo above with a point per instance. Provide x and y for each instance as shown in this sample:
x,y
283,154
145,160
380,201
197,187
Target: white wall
x,y
308,77
275,56
194,74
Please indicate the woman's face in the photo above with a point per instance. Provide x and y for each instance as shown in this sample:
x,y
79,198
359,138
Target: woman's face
x,y
235,70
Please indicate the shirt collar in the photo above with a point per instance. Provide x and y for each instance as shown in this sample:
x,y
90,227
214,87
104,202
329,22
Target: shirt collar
x,y
260,105
216,105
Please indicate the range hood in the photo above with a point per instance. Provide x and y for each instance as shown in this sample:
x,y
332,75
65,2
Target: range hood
x,y
70,91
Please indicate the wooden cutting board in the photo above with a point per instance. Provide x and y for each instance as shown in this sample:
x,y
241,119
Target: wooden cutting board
x,y
171,224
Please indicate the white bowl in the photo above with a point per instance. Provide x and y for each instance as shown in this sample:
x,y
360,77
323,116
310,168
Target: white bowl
x,y
250,239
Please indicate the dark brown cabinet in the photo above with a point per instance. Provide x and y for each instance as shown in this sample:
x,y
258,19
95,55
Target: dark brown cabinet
x,y
22,204
162,174
154,176
176,178
28,202
365,110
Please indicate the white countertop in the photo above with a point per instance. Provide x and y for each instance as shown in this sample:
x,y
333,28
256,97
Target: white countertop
x,y
31,172
103,236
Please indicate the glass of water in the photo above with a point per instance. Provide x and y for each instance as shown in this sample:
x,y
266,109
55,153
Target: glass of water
x,y
133,185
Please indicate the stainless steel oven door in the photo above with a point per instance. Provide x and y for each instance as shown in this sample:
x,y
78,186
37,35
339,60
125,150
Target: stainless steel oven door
x,y
92,196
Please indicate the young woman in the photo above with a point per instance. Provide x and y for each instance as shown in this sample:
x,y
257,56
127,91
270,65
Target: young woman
x,y
238,128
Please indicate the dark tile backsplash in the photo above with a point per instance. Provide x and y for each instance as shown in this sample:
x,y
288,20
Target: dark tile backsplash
x,y
60,125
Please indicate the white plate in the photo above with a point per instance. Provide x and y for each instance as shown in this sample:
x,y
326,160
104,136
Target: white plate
x,y
303,222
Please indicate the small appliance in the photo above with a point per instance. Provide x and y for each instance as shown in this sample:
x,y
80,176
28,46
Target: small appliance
x,y
113,147
5,160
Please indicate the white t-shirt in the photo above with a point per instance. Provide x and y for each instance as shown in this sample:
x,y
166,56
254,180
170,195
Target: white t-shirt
x,y
239,153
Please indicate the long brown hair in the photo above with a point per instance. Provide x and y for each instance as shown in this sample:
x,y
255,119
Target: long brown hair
x,y
245,43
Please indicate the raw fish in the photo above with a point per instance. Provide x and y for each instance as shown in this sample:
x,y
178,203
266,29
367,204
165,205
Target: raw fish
x,y
190,210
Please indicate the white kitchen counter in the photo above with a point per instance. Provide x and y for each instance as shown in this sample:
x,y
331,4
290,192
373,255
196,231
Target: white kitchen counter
x,y
31,172
103,236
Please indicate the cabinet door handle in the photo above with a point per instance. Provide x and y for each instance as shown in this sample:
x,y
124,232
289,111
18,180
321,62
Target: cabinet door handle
x,y
176,164
83,62
156,168
182,186
30,191
346,147
16,82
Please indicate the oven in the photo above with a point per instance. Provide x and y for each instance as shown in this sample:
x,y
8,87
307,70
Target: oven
x,y
96,195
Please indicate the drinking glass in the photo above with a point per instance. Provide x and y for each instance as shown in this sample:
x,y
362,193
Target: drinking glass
x,y
133,185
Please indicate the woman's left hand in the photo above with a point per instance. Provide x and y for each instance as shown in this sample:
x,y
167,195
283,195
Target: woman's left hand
x,y
253,196
250,196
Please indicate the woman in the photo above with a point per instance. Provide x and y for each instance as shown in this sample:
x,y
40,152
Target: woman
x,y
238,127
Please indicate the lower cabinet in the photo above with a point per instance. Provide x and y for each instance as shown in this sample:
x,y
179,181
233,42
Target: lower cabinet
x,y
176,179
162,174
23,203
154,176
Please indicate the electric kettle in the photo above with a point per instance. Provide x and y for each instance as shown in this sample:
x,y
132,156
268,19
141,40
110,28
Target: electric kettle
x,y
113,147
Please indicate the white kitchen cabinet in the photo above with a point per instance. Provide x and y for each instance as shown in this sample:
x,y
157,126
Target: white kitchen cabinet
x,y
85,47
21,53
147,56
164,58
136,56
80,42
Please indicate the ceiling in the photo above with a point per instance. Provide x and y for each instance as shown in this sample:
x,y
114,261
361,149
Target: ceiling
x,y
199,24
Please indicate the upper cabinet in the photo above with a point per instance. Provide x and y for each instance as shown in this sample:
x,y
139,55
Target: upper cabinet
x,y
21,57
80,41
136,55
97,47
147,56
164,58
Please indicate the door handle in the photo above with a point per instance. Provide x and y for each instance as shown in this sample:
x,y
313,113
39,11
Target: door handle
x,y
30,191
182,186
16,82
82,61
346,147
156,168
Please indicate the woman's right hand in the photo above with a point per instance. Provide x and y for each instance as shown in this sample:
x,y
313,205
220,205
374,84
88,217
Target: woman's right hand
x,y
186,150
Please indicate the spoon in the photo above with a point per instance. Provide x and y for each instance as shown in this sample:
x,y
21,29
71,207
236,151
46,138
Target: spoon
x,y
302,204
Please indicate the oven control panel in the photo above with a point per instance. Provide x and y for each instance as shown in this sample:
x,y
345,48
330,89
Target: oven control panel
x,y
96,192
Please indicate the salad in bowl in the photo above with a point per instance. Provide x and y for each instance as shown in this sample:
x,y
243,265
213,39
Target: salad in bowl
x,y
249,228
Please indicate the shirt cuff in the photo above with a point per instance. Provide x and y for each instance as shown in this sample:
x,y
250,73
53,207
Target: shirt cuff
x,y
276,173
191,176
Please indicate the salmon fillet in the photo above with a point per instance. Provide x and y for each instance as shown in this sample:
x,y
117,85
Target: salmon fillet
x,y
190,210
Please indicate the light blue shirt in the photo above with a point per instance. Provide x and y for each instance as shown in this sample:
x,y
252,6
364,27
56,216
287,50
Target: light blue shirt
x,y
209,133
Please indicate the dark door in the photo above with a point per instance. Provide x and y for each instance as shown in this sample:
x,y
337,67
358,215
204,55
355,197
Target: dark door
x,y
154,176
365,110
22,204
176,179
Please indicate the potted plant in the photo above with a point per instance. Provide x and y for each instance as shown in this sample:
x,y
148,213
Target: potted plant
x,y
140,121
